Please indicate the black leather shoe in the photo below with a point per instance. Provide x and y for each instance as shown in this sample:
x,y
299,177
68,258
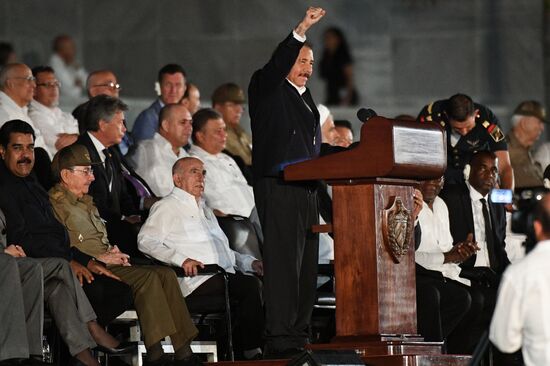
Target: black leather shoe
x,y
163,361
284,354
122,348
192,360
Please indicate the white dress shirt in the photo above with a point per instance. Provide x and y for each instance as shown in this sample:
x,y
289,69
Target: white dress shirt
x,y
67,76
179,228
225,187
153,160
521,317
51,122
10,110
436,239
482,256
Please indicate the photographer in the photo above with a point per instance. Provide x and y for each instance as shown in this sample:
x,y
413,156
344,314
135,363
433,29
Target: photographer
x,y
518,321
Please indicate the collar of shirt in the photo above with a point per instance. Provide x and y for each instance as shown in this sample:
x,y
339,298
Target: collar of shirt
x,y
203,154
7,102
187,198
98,146
543,245
300,89
475,196
59,192
164,144
41,108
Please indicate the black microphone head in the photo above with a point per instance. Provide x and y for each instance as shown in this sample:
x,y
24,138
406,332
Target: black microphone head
x,y
365,114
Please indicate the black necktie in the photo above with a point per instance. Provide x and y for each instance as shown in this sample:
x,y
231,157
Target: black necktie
x,y
108,165
489,235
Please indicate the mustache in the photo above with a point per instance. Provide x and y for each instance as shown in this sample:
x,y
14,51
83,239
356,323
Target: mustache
x,y
24,161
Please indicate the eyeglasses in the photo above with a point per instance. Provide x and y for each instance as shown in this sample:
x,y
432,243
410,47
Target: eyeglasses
x,y
85,171
50,85
28,79
110,85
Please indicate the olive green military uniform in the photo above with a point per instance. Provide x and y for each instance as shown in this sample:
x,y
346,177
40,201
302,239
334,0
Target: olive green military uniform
x,y
157,297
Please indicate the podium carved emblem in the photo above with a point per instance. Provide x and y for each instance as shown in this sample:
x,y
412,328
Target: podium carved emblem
x,y
397,226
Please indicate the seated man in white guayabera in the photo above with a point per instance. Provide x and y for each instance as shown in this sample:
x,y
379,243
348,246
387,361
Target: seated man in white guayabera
x,y
153,159
182,231
227,191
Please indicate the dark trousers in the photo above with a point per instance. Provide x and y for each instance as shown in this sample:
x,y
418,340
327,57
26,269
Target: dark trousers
x,y
468,333
108,297
245,291
441,305
291,251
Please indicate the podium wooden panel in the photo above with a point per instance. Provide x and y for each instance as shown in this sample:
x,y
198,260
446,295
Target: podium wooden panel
x,y
383,289
375,289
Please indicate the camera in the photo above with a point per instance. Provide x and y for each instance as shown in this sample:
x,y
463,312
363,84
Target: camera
x,y
523,215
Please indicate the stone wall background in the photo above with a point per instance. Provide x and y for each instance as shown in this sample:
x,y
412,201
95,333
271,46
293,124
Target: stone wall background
x,y
407,52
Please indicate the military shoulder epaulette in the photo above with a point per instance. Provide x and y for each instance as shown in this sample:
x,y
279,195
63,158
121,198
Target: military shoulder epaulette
x,y
494,131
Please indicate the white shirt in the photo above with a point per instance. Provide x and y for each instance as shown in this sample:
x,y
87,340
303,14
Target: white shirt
x,y
10,110
482,256
225,187
99,148
436,240
153,160
179,228
542,155
51,122
67,76
521,317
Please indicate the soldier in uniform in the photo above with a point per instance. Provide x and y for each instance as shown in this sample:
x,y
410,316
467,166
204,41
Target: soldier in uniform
x,y
470,127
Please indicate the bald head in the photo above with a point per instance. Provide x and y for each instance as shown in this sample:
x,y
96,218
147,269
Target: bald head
x,y
175,125
102,82
17,82
188,174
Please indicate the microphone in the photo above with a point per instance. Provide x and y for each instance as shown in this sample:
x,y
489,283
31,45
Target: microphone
x,y
365,114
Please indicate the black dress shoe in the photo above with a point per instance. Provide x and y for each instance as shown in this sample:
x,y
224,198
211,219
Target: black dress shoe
x,y
192,360
76,362
122,348
165,360
283,354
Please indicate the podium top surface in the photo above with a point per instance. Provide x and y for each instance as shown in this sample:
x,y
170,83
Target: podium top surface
x,y
388,148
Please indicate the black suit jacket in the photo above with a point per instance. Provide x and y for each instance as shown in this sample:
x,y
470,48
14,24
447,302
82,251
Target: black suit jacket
x,y
117,201
285,126
30,220
461,220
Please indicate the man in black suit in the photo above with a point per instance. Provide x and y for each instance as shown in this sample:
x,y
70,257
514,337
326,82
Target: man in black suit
x,y
104,124
31,224
285,129
472,212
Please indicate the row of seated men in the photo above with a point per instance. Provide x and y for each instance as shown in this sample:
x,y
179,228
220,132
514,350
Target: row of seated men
x,y
68,225
460,256
124,203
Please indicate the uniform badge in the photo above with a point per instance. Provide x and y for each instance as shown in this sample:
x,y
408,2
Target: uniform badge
x,y
495,133
472,144
80,238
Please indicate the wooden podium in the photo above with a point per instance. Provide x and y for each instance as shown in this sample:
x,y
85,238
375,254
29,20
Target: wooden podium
x,y
372,193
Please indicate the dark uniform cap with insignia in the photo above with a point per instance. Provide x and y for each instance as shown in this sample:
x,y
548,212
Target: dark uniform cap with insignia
x,y
531,108
69,156
228,92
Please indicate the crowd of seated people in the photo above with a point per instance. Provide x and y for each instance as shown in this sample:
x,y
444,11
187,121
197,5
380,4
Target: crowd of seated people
x,y
83,198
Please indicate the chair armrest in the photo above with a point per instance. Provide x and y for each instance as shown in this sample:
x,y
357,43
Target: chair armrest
x,y
209,269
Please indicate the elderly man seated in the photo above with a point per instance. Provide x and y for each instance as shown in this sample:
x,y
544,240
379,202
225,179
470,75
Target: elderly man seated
x,y
226,191
182,231
157,298
153,159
